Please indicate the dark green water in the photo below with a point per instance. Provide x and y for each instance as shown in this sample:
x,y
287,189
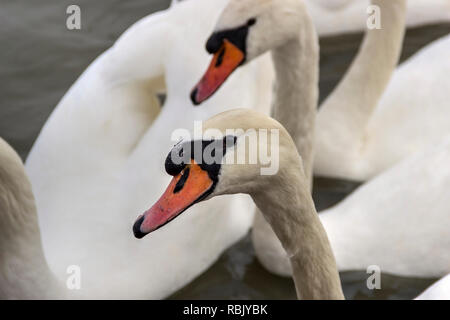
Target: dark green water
x,y
40,59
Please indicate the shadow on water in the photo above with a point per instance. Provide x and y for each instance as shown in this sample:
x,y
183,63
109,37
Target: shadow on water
x,y
40,59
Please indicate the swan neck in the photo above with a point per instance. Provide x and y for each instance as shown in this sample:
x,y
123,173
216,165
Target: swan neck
x,y
297,226
346,112
296,89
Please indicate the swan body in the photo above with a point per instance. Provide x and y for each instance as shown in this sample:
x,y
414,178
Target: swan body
x,y
399,220
411,114
438,291
283,196
333,17
98,158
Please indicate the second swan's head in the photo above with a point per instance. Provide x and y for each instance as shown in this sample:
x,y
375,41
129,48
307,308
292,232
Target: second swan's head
x,y
245,30
242,151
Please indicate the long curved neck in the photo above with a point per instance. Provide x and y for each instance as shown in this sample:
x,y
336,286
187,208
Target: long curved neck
x,y
302,235
296,89
24,273
346,112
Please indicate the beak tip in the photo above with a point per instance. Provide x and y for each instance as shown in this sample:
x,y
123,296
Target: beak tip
x,y
194,97
137,228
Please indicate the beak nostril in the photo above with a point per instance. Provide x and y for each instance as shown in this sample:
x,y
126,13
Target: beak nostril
x,y
220,57
180,184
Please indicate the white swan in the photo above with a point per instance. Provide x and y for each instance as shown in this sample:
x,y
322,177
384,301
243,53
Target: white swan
x,y
24,273
98,157
288,205
438,291
341,16
399,220
284,197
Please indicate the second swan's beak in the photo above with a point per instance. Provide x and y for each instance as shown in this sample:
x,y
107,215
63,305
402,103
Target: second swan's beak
x,y
224,62
188,187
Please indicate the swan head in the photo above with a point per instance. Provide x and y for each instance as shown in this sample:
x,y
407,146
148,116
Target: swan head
x,y
245,30
217,170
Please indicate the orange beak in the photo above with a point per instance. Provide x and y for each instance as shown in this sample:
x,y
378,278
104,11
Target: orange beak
x,y
224,62
188,187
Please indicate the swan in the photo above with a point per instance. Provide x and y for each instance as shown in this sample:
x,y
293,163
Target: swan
x,y
399,220
414,244
284,197
332,17
438,291
24,273
97,158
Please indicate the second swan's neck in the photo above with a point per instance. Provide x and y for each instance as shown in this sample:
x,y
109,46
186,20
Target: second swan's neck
x,y
296,89
302,235
344,115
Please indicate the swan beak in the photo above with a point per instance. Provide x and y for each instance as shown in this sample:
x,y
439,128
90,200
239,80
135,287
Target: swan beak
x,y
188,187
227,59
